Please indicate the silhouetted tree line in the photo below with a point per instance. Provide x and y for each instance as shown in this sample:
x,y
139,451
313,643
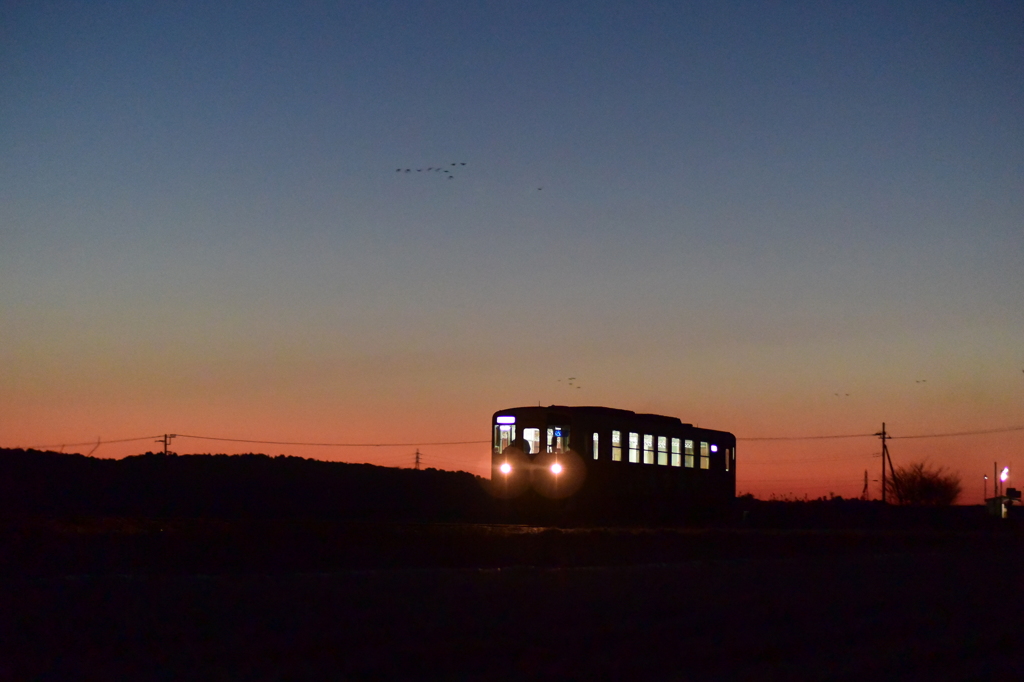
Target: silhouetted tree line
x,y
252,486
915,484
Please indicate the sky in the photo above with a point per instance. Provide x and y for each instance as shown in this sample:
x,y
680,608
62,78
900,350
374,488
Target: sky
x,y
777,219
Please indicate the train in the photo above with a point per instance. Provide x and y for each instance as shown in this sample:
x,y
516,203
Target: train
x,y
612,459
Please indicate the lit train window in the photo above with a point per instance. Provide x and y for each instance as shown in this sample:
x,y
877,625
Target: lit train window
x,y
648,449
728,454
558,438
531,441
504,435
662,451
705,456
594,445
689,453
634,448
616,446
677,458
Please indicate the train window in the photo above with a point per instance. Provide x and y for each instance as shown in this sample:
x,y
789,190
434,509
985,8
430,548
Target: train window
x,y
558,438
727,455
648,449
689,454
616,446
663,451
634,447
531,441
504,435
594,445
677,457
705,456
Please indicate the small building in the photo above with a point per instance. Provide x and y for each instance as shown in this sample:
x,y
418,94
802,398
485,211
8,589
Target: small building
x,y
1006,506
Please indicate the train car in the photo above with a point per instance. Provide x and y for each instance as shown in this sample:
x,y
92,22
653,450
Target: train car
x,y
611,457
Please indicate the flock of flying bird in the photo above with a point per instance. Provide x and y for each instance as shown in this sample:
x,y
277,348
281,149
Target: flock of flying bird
x,y
433,169
445,172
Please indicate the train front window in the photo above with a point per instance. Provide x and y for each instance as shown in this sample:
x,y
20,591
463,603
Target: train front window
x,y
662,451
648,449
634,447
531,441
677,458
616,446
594,445
558,438
504,435
689,454
705,456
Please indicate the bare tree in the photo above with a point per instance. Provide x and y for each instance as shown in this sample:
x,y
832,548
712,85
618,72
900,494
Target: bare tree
x,y
914,484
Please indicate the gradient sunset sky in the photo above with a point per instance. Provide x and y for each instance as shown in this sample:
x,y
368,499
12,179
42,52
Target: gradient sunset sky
x,y
770,218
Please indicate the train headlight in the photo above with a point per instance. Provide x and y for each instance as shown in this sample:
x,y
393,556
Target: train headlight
x,y
556,468
505,468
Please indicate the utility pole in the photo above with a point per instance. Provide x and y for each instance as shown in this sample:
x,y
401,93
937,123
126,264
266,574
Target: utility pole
x,y
883,437
166,440
885,456
864,493
417,458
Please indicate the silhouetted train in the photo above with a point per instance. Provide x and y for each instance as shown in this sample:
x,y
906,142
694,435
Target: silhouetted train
x,y
607,455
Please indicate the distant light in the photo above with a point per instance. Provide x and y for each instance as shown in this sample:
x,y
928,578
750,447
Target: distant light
x,y
506,420
1005,475
556,468
714,448
506,468
504,428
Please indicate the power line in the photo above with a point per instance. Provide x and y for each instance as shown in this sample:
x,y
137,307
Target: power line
x,y
980,432
335,445
953,434
101,442
850,435
959,433
754,460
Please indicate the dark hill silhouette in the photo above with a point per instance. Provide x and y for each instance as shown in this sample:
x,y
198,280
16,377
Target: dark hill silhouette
x,y
256,486
234,486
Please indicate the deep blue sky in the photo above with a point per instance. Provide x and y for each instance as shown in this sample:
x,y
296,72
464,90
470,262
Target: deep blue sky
x,y
746,208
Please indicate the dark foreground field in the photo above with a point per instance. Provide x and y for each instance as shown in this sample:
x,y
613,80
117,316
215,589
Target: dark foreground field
x,y
150,599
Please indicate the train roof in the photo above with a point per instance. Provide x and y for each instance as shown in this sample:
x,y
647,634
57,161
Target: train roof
x,y
594,410
599,412
602,413
590,409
